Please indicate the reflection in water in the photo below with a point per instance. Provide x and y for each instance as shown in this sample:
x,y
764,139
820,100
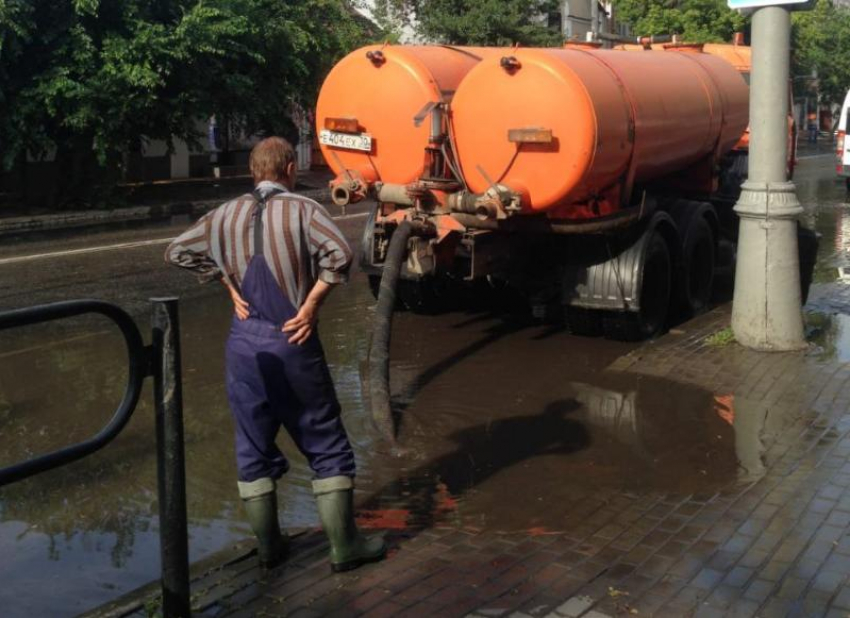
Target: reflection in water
x,y
830,333
757,426
528,463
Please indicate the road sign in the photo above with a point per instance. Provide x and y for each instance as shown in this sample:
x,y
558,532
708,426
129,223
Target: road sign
x,y
792,5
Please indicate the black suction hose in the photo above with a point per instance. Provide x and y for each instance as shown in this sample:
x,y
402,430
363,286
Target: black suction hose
x,y
379,357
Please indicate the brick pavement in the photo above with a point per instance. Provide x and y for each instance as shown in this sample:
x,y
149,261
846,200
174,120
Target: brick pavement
x,y
771,542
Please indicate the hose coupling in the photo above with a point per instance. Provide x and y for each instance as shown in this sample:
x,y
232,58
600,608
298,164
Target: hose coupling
x,y
348,188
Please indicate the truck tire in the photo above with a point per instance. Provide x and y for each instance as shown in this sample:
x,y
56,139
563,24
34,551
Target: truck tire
x,y
584,322
807,246
375,285
656,287
699,256
414,296
427,296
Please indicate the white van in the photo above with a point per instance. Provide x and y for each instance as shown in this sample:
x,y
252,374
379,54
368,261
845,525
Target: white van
x,y
842,166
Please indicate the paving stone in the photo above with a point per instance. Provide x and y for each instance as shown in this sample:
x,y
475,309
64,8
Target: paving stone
x,y
776,608
792,588
738,576
706,611
743,608
707,579
774,570
816,602
575,606
828,581
689,597
758,590
842,600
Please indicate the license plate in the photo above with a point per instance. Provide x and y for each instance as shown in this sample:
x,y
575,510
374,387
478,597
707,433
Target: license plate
x,y
349,141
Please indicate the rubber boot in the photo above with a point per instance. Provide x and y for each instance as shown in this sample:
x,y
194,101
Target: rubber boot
x,y
260,500
349,549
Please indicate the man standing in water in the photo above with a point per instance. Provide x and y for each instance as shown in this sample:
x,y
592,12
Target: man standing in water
x,y
280,255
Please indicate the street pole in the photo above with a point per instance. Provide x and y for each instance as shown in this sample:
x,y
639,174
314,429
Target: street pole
x,y
170,459
565,20
594,18
766,311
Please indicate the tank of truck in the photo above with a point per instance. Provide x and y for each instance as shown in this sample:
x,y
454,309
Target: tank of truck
x,y
598,120
739,56
378,91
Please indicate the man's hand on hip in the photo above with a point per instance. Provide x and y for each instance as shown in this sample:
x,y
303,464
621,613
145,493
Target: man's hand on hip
x,y
302,325
240,306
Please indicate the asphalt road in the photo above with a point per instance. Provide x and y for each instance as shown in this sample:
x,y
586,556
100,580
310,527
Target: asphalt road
x,y
123,265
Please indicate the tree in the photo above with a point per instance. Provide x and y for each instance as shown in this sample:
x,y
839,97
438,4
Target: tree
x,y
88,79
821,40
474,22
697,21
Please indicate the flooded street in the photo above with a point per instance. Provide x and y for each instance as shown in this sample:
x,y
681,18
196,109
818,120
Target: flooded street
x,y
505,427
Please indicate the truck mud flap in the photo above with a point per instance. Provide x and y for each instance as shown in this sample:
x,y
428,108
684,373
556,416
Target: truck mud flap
x,y
613,284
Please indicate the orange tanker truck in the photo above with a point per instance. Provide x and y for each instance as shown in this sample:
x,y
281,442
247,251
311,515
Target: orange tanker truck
x,y
596,180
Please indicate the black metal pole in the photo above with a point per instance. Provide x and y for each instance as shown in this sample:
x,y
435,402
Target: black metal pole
x,y
171,470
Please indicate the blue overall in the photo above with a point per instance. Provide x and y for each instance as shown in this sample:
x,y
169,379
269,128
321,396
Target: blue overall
x,y
271,382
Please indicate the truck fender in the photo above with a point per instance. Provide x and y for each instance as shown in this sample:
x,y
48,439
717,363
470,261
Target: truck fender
x,y
614,284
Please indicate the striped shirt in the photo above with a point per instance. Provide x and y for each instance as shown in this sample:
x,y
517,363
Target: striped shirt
x,y
301,243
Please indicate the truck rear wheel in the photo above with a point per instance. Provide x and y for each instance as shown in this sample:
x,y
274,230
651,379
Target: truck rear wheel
x,y
428,295
374,285
699,259
584,322
655,292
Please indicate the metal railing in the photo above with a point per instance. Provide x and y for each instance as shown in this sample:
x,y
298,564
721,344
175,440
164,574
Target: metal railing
x,y
161,361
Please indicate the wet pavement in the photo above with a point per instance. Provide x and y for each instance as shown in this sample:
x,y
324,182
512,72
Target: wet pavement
x,y
541,472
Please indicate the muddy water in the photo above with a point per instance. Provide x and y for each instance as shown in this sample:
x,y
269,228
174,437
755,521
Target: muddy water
x,y
505,427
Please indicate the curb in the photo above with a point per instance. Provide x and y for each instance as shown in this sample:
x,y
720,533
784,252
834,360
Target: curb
x,y
86,218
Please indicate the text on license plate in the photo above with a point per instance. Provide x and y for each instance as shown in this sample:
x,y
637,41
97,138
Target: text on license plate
x,y
349,141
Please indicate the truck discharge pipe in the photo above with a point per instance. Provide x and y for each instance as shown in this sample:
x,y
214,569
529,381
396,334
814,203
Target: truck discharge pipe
x,y
379,355
540,225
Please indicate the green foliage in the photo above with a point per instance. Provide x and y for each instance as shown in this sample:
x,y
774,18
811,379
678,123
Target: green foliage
x,y
698,21
821,40
153,607
474,22
86,76
721,338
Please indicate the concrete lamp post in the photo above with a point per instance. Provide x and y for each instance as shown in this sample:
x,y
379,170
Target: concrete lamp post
x,y
766,310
